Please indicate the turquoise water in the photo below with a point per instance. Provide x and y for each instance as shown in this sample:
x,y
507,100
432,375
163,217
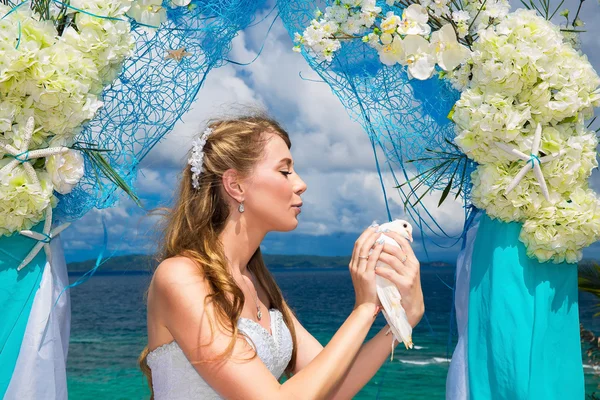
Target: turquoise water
x,y
109,331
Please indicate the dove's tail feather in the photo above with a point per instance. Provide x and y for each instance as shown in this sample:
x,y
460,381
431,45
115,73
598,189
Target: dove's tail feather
x,y
394,313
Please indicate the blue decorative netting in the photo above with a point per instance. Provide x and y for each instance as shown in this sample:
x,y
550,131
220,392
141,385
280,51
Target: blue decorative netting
x,y
152,93
406,119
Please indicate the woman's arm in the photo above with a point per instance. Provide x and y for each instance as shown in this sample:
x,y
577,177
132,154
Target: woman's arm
x,y
179,291
369,359
188,321
373,354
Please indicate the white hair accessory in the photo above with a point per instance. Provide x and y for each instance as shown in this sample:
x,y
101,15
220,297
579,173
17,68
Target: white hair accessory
x,y
197,157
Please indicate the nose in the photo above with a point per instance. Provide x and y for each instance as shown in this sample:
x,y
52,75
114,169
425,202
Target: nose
x,y
299,185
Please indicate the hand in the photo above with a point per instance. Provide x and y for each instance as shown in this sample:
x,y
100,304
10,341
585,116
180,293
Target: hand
x,y
362,267
405,274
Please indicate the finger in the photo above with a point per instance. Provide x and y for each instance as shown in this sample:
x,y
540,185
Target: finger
x,y
402,283
394,263
374,257
366,249
403,242
395,251
357,246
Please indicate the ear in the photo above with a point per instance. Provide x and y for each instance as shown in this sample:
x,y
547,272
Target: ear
x,y
233,185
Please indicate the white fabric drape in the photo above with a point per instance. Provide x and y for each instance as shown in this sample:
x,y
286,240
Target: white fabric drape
x,y
457,387
40,372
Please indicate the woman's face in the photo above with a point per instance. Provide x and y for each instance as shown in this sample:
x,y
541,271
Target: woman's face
x,y
272,198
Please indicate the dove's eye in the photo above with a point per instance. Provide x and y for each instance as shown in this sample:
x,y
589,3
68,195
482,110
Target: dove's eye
x,y
406,225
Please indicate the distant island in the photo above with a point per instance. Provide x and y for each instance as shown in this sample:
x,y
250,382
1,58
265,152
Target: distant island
x,y
144,263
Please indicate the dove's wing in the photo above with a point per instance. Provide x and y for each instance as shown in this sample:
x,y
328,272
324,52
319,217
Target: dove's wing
x,y
391,301
393,311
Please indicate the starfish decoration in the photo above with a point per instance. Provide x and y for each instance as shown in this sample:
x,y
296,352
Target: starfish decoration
x,y
178,54
43,238
533,162
23,155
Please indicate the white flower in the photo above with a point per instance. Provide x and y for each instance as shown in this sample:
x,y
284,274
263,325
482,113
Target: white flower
x,y
450,54
390,23
59,81
370,6
65,170
148,12
319,39
440,7
414,21
392,52
418,57
352,25
22,204
336,13
461,19
523,73
180,3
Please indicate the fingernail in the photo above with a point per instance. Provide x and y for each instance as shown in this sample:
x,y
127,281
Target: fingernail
x,y
380,241
373,225
385,230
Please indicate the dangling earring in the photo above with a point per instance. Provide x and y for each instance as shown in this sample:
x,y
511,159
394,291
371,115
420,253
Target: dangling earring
x,y
241,207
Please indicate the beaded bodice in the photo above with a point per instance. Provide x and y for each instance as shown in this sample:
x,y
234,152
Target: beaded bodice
x,y
174,377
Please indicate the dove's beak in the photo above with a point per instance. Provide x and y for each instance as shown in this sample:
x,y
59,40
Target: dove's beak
x,y
410,238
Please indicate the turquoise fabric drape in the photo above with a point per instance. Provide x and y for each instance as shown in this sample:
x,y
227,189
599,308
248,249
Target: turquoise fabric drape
x,y
523,323
17,291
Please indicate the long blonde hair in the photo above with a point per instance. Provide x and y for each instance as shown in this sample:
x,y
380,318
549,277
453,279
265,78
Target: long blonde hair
x,y
192,227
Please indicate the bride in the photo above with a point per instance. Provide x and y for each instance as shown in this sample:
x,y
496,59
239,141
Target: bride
x,y
218,325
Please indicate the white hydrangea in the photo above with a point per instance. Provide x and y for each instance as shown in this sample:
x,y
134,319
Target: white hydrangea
x,y
524,73
59,81
485,13
559,233
22,204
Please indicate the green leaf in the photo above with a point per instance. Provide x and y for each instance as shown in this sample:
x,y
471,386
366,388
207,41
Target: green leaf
x,y
451,113
100,163
445,192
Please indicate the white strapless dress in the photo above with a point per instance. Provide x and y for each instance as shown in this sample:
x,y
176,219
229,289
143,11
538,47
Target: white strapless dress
x,y
174,377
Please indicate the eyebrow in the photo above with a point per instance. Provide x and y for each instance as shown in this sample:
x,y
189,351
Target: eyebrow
x,y
288,161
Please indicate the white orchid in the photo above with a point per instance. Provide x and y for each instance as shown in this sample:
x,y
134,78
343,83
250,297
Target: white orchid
x,y
392,52
450,54
148,12
418,56
390,23
414,21
180,3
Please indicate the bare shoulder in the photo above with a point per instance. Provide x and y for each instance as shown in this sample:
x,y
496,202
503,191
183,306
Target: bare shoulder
x,y
177,278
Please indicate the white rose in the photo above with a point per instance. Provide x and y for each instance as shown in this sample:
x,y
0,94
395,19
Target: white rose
x,y
65,170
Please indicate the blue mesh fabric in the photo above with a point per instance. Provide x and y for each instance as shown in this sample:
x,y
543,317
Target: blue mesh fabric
x,y
406,119
152,93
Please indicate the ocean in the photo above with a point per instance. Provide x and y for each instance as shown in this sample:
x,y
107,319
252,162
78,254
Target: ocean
x,y
108,332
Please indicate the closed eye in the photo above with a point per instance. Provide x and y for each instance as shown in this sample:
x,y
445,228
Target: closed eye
x,y
286,173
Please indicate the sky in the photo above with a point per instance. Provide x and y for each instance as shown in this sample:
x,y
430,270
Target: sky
x,y
331,153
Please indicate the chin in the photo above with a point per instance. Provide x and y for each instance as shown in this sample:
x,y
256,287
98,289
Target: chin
x,y
290,226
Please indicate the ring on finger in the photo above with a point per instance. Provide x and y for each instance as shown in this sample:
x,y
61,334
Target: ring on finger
x,y
363,257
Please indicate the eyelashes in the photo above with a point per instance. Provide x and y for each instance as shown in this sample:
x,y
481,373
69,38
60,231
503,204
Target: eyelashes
x,y
286,173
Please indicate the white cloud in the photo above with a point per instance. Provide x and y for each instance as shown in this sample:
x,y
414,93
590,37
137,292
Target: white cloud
x,y
222,89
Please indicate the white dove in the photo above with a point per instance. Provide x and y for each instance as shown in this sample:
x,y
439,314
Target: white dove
x,y
388,293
